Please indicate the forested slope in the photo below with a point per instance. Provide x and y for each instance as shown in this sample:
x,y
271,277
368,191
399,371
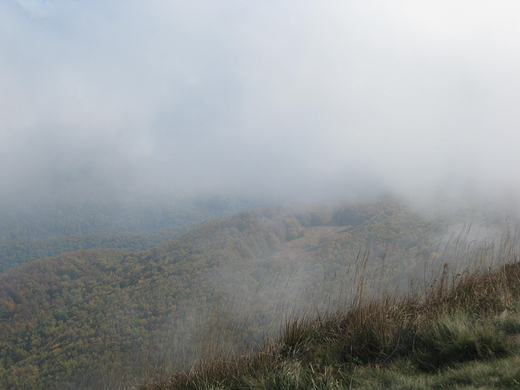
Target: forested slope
x,y
47,229
14,253
98,317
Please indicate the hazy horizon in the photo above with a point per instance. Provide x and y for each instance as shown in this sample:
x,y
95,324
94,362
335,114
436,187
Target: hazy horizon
x,y
286,99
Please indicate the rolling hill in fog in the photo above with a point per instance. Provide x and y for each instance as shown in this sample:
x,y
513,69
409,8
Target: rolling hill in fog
x,y
102,317
46,228
396,120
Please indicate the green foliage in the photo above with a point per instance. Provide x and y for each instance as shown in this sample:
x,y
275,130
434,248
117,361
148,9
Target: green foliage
x,y
459,338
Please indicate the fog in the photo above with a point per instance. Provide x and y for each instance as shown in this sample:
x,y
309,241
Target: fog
x,y
292,99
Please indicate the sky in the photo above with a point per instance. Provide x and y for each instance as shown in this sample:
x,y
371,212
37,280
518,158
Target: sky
x,y
284,98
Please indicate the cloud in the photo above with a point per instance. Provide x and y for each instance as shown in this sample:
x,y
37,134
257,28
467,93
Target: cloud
x,y
278,97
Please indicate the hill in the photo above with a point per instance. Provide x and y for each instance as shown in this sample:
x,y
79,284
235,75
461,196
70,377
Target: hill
x,y
14,253
79,217
107,318
462,333
31,232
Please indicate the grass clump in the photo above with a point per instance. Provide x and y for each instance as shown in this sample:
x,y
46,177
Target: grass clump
x,y
498,374
459,338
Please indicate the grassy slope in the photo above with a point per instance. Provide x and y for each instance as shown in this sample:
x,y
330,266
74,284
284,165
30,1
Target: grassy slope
x,y
461,333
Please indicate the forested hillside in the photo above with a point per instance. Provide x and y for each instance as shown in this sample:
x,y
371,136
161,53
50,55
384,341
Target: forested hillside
x,y
98,317
79,217
48,229
14,253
